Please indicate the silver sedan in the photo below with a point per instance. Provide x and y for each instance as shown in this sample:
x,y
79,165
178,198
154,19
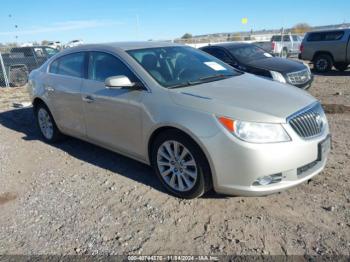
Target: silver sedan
x,y
198,122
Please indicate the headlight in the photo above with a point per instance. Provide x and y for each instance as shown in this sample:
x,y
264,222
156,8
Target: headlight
x,y
255,132
308,67
278,77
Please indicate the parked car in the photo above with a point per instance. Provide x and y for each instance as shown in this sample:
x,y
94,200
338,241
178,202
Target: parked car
x,y
55,45
287,45
199,122
73,43
20,61
255,60
327,48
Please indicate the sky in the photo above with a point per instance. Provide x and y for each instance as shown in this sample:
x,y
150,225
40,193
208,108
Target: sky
x,y
97,21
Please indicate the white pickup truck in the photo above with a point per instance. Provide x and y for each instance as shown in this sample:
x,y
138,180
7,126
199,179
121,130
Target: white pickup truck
x,y
286,45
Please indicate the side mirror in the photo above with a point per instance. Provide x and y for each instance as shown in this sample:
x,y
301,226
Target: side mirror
x,y
118,82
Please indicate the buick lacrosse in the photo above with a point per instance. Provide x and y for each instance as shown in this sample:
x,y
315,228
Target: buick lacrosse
x,y
200,123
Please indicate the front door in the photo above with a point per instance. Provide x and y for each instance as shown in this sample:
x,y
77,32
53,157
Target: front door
x,y
112,116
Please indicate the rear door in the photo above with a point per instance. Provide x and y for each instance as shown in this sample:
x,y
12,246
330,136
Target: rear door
x,y
63,89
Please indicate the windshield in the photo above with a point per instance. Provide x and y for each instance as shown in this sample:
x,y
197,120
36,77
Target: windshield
x,y
249,53
51,51
181,66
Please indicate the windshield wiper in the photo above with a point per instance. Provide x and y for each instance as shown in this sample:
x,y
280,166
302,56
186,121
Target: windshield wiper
x,y
215,77
201,80
188,83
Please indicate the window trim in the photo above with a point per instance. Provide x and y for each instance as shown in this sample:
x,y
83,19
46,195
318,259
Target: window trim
x,y
86,65
323,35
88,56
72,53
87,62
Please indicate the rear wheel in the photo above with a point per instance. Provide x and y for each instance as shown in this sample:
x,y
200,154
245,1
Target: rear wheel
x,y
180,165
341,66
284,53
323,63
47,125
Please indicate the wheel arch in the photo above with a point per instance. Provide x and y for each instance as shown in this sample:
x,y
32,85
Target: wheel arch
x,y
187,133
38,101
316,54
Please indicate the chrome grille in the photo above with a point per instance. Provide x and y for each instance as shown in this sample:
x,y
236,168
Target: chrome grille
x,y
309,122
299,77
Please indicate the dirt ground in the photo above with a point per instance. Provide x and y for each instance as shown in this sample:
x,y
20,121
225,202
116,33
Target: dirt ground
x,y
76,198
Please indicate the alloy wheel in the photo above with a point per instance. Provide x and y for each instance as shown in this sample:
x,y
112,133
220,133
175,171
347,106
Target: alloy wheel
x,y
45,123
177,166
322,64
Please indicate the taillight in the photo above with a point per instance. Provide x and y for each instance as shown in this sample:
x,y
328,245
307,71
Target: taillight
x,y
273,44
301,48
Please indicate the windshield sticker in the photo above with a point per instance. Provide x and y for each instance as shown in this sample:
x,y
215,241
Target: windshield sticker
x,y
267,55
215,66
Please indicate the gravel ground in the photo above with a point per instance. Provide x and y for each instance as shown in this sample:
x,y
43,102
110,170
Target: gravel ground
x,y
76,198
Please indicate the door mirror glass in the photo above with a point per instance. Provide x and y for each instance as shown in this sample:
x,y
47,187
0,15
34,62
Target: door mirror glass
x,y
118,82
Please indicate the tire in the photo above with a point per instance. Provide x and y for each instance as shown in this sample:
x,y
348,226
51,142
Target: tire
x,y
284,53
18,77
181,180
341,66
323,63
47,125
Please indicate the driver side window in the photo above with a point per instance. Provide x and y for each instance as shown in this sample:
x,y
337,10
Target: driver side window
x,y
103,65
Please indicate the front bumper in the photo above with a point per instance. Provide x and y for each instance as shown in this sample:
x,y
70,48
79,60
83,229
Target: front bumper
x,y
236,164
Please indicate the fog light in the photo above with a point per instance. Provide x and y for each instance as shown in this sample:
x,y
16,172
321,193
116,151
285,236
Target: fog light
x,y
263,181
266,180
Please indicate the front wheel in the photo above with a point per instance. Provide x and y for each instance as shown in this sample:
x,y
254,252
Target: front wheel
x,y
181,165
47,125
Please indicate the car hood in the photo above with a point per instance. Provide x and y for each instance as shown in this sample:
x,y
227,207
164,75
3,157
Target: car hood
x,y
278,64
245,97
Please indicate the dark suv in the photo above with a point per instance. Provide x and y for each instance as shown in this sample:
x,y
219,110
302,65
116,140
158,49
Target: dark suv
x,y
20,61
327,49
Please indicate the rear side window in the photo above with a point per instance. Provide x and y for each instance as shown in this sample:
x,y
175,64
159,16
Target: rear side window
x,y
276,38
103,65
69,65
333,36
218,53
325,36
26,51
286,38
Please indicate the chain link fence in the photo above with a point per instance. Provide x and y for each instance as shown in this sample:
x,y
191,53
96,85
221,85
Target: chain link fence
x,y
16,63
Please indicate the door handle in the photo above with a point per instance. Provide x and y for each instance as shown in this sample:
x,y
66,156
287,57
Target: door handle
x,y
88,99
49,88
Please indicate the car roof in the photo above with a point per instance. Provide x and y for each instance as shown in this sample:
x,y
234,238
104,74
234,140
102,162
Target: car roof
x,y
229,45
329,30
126,45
